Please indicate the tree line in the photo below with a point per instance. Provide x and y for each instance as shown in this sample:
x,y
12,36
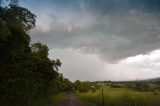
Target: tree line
x,y
26,72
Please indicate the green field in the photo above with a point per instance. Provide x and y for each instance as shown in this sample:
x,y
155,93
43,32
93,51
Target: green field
x,y
120,97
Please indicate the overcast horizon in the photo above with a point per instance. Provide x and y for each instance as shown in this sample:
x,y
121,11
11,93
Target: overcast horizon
x,y
100,39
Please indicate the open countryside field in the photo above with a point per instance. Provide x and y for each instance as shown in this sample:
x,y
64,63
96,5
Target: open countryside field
x,y
119,97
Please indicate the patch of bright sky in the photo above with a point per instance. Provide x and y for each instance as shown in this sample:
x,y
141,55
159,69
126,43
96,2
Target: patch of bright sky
x,y
79,66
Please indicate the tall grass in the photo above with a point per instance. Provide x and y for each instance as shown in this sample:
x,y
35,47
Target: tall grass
x,y
48,101
120,97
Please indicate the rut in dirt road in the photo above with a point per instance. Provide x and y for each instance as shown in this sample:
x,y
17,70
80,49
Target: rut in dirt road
x,y
71,101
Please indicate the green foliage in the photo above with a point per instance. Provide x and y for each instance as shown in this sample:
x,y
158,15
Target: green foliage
x,y
14,47
61,84
143,87
26,73
85,86
39,50
77,85
115,85
16,17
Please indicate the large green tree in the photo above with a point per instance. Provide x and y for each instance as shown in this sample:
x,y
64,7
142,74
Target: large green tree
x,y
26,72
15,23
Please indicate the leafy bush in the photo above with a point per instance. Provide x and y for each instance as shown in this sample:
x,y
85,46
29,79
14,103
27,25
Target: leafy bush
x,y
143,87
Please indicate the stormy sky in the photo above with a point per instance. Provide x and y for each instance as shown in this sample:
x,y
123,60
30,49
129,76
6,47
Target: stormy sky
x,y
100,39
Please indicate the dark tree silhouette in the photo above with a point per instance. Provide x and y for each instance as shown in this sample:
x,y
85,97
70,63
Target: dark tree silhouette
x,y
26,72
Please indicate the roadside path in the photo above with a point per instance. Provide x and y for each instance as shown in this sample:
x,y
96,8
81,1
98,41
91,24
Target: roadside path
x,y
71,101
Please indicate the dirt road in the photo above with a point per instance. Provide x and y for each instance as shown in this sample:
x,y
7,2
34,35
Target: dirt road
x,y
71,101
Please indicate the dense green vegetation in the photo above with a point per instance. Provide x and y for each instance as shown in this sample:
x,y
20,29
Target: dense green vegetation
x,y
85,86
120,96
26,73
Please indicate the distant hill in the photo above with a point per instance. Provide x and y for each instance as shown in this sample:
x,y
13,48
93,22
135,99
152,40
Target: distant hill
x,y
157,79
153,79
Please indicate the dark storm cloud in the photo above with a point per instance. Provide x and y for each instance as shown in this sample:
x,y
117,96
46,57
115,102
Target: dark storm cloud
x,y
113,29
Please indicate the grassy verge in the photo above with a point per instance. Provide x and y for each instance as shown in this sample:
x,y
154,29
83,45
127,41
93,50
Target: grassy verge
x,y
49,101
120,97
59,98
